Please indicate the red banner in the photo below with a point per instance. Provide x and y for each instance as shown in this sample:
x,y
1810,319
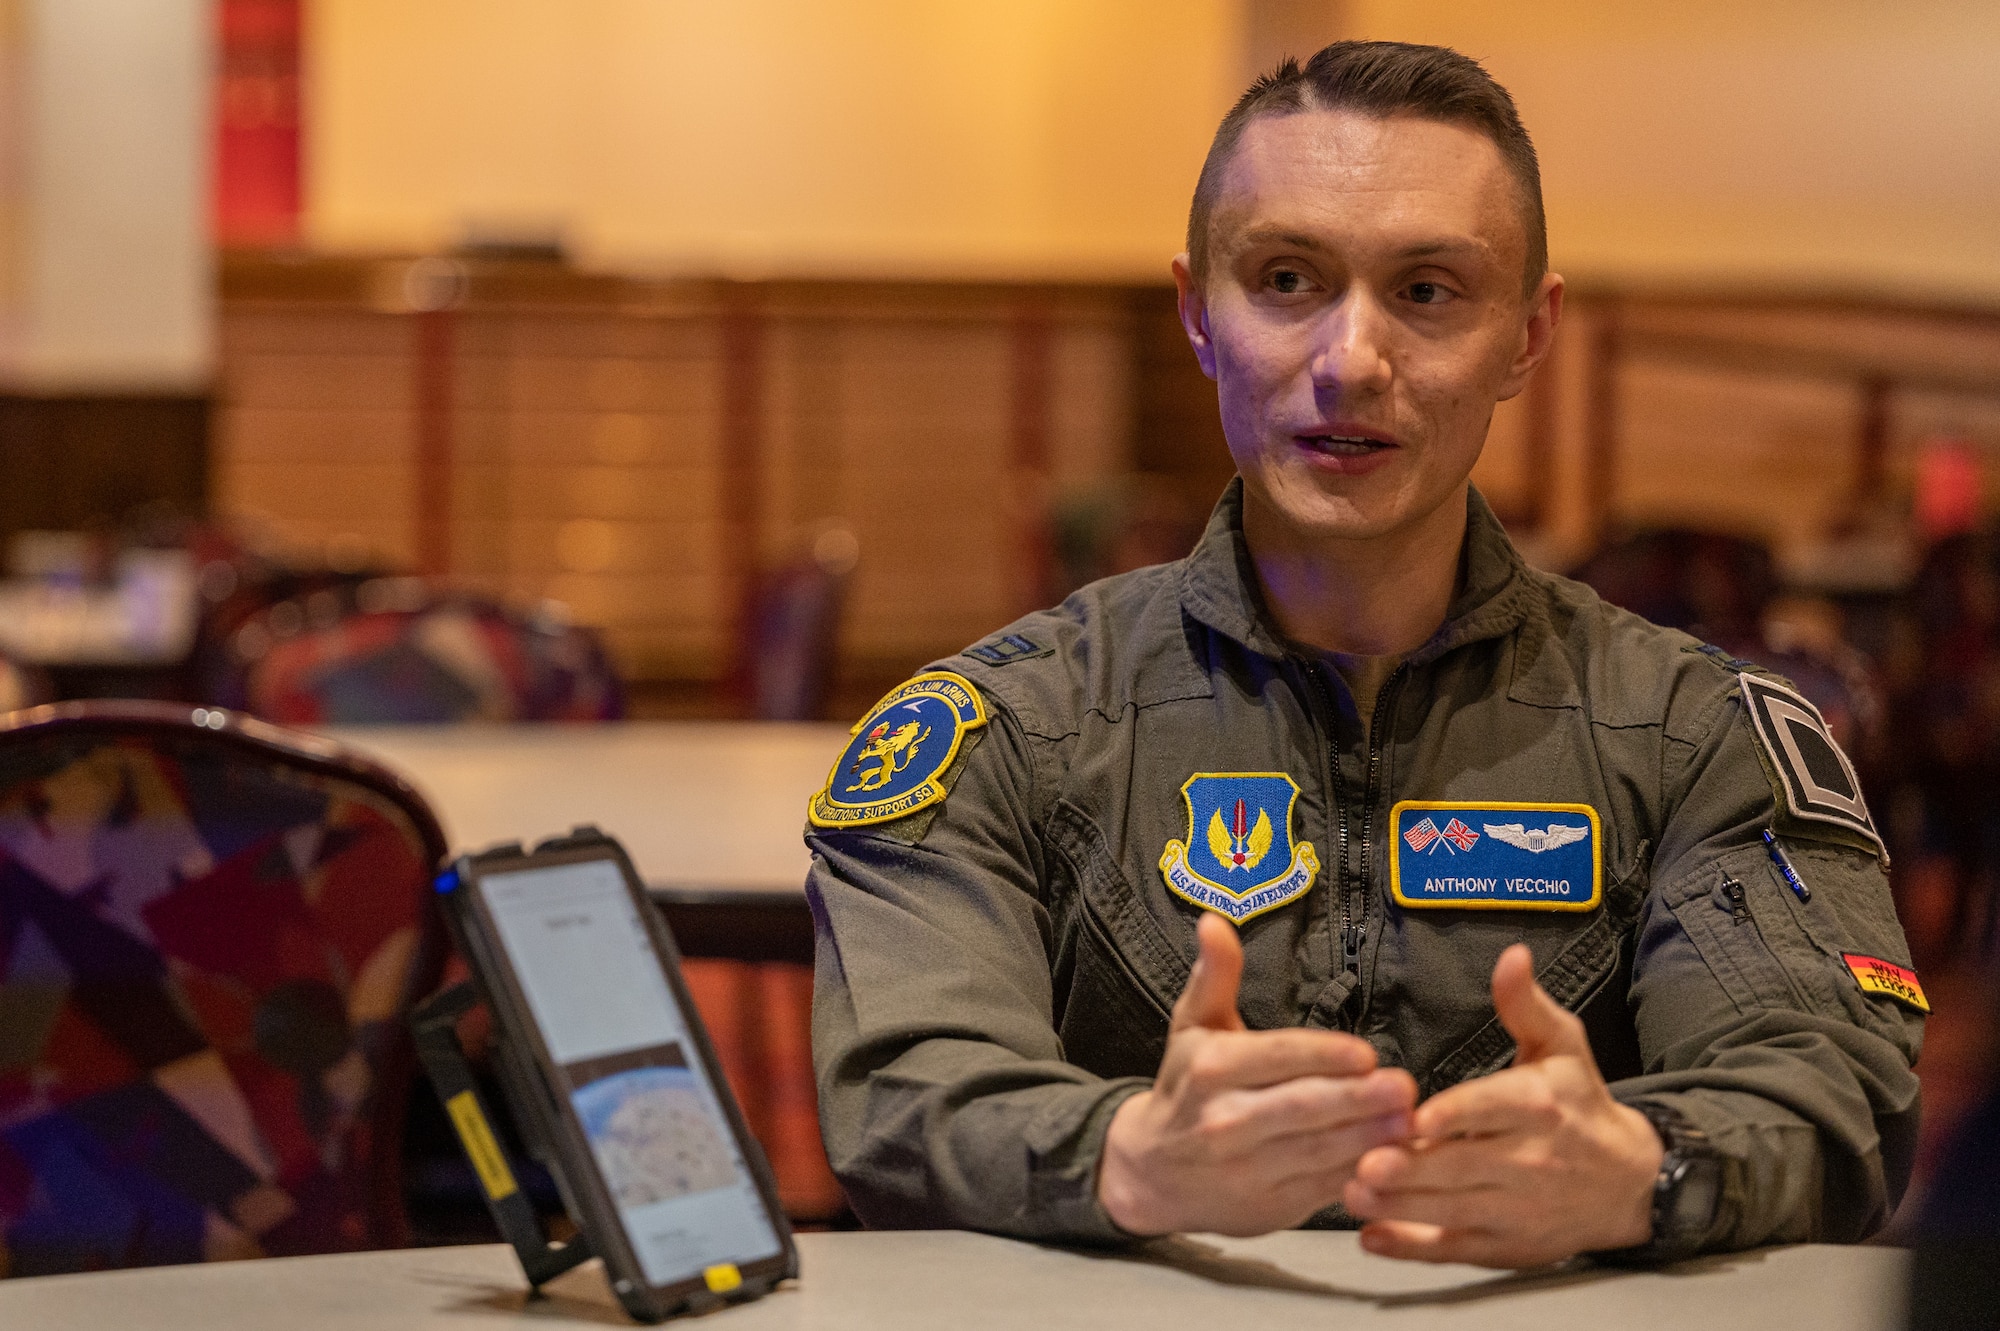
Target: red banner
x,y
256,197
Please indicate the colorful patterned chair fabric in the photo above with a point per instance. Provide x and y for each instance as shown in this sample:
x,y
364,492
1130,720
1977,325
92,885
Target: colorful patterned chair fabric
x,y
399,651
210,930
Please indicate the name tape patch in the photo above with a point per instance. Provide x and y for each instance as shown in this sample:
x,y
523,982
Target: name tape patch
x,y
1877,976
1496,856
1239,858
1815,781
895,763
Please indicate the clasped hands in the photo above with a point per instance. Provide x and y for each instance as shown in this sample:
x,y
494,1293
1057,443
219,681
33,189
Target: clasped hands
x,y
1244,1132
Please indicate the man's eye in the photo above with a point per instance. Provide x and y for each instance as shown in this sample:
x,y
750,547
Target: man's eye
x,y
1426,293
1287,283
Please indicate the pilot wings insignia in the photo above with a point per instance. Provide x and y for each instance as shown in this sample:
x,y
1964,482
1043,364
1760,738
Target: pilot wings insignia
x,y
1539,839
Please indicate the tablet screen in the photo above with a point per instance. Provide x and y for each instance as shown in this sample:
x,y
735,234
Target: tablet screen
x,y
595,985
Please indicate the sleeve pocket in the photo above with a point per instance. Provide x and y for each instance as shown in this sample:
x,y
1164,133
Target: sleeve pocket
x,y
1769,949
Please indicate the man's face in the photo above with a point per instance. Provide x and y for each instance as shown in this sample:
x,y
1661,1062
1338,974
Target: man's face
x,y
1362,314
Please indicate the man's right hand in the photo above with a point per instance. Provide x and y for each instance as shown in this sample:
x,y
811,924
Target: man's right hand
x,y
1245,1131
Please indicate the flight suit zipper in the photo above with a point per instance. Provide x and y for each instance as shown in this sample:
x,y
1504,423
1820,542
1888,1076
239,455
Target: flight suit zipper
x,y
1353,893
1316,672
1354,934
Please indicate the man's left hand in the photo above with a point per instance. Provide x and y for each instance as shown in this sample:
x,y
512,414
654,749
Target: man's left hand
x,y
1522,1168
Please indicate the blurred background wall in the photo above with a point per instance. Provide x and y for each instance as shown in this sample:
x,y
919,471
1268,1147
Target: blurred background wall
x,y
1789,142
717,277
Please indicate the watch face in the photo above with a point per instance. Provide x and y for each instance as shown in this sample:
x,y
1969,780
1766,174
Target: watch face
x,y
1697,1189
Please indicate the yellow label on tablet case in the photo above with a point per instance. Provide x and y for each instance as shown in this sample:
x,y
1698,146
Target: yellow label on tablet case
x,y
480,1147
722,1278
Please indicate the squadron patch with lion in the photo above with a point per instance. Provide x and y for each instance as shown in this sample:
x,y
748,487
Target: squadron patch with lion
x,y
896,762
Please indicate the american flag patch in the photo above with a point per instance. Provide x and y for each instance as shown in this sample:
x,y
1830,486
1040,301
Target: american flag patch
x,y
1459,834
1422,834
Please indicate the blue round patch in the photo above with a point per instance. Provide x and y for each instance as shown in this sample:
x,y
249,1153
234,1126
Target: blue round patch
x,y
894,764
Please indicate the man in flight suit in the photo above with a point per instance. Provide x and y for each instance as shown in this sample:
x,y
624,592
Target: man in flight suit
x,y
1349,870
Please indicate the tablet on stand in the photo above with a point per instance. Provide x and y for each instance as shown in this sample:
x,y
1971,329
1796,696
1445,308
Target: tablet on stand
x,y
615,1086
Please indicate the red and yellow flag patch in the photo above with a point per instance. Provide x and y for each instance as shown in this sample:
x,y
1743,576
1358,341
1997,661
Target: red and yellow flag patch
x,y
1877,976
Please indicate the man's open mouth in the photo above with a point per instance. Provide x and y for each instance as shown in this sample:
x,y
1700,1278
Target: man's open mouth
x,y
1343,445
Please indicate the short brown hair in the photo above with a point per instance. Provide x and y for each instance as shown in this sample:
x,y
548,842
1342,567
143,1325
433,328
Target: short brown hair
x,y
1381,79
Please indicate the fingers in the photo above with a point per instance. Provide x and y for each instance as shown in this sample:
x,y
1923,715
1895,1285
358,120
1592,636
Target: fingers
x,y
1210,997
1207,1063
1541,1027
1518,1099
1421,1165
1314,1117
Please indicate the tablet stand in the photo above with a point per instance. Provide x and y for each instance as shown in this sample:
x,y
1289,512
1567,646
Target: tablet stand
x,y
434,1023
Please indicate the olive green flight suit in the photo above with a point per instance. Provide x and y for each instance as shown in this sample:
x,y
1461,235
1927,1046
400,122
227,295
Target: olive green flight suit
x,y
995,972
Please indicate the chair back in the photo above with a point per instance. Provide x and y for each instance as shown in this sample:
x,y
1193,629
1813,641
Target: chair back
x,y
210,930
788,647
399,651
1711,584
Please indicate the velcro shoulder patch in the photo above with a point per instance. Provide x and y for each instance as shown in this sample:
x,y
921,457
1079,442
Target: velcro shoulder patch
x,y
897,761
1721,657
1007,649
1817,789
1877,976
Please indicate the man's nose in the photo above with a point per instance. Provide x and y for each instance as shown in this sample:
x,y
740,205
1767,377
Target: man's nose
x,y
1352,353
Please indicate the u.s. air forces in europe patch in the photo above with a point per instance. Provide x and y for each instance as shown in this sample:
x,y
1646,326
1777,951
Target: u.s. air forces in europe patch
x,y
1239,858
897,760
1496,856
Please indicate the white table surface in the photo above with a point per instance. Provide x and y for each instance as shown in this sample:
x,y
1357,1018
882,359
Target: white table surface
x,y
970,1282
696,804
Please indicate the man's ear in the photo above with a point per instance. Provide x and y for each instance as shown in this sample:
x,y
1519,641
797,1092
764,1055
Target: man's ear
x,y
1538,337
1194,314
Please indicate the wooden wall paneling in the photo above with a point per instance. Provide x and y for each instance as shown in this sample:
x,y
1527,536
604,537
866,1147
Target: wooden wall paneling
x,y
314,432
1177,431
926,404
616,502
739,476
1603,422
596,426
433,379
482,343
1499,473
1734,450
1031,350
1091,392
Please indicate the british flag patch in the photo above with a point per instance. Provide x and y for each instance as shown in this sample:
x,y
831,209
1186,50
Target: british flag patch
x,y
1460,835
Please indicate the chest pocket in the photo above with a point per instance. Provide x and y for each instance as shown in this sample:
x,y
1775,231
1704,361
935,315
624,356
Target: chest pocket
x,y
1116,972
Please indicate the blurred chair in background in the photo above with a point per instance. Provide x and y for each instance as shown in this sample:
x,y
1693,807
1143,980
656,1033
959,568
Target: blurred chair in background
x,y
210,930
1712,585
788,651
402,651
1724,590
1126,523
1946,706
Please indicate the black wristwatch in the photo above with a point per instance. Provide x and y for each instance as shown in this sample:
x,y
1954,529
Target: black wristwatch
x,y
1687,1192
